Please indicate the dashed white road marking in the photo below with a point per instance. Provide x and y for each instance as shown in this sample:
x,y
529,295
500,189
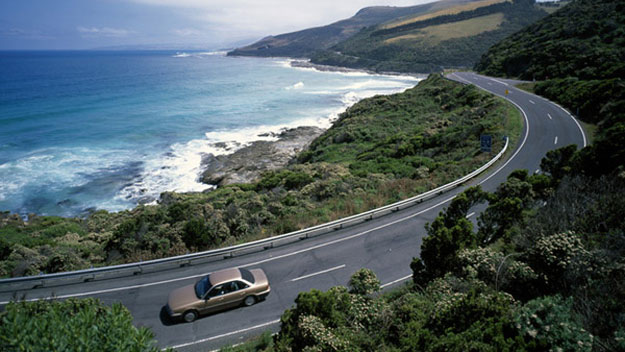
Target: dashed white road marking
x,y
318,273
470,215
531,101
537,171
550,118
555,140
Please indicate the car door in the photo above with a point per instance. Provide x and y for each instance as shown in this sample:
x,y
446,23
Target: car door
x,y
215,299
239,292
235,293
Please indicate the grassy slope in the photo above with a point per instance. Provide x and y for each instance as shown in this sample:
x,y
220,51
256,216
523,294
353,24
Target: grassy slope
x,y
381,150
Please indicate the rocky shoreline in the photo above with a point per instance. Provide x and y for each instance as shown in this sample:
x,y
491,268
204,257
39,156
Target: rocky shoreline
x,y
328,68
247,164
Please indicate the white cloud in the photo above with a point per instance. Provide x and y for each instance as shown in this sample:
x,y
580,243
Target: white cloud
x,y
90,32
188,32
254,17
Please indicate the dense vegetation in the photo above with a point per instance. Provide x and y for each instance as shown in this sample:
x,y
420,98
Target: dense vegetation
x,y
72,325
381,150
585,39
449,40
545,270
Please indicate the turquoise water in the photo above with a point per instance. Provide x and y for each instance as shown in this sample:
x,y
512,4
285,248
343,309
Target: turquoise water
x,y
106,130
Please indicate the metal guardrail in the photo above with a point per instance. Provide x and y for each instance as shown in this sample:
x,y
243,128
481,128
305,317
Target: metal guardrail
x,y
47,280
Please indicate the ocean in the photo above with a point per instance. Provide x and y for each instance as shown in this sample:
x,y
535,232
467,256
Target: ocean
x,y
88,130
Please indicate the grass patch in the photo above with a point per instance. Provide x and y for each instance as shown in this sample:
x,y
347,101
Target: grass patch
x,y
460,29
527,86
450,11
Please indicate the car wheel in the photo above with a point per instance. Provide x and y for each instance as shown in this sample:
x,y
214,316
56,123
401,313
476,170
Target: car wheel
x,y
189,316
249,301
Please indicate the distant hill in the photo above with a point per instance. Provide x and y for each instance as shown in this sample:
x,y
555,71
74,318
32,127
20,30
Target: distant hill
x,y
453,37
306,42
585,39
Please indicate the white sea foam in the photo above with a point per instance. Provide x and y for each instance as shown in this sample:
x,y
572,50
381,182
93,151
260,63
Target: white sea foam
x,y
200,54
297,85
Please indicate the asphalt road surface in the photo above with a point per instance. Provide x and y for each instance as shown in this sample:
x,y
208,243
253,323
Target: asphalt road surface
x,y
386,245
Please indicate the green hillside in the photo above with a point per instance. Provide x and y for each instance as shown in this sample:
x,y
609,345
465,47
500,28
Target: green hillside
x,y
585,39
431,43
306,42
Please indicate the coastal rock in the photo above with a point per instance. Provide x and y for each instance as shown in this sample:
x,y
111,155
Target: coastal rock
x,y
247,164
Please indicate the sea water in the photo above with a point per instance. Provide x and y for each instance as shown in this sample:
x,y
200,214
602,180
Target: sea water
x,y
90,130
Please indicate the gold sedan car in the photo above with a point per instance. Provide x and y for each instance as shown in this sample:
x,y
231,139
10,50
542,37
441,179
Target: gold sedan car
x,y
218,291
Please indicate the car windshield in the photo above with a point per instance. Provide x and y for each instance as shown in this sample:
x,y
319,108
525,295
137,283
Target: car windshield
x,y
247,276
202,286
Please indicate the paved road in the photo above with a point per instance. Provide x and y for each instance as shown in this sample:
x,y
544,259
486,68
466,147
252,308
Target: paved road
x,y
385,245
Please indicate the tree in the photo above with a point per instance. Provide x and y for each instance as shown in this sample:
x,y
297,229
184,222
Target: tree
x,y
447,234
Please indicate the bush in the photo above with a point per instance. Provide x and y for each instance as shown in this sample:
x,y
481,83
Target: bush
x,y
72,325
548,324
364,282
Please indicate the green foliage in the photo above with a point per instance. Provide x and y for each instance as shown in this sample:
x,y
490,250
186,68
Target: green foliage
x,y
447,234
548,323
591,47
72,325
364,282
585,98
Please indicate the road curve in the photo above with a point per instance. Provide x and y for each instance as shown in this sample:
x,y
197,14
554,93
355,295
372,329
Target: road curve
x,y
386,245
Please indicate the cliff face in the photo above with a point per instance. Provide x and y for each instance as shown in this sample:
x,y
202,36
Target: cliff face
x,y
305,42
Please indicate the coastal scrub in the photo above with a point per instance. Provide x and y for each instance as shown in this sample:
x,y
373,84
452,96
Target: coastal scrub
x,y
381,150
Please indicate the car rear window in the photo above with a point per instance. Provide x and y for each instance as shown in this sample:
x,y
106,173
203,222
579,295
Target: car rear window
x,y
247,276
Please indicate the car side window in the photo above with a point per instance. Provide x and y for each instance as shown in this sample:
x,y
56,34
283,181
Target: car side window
x,y
216,291
241,285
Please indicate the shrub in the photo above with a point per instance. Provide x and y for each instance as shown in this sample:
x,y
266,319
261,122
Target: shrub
x,y
364,282
72,325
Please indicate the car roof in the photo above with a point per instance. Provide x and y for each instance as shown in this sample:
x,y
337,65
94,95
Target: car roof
x,y
226,275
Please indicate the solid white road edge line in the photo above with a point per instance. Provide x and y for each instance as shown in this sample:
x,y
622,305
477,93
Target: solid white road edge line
x,y
498,81
224,335
318,273
90,293
396,281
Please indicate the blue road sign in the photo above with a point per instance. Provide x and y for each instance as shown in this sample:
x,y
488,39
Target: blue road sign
x,y
486,142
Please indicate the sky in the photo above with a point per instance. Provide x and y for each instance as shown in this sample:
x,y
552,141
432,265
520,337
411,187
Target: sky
x,y
199,24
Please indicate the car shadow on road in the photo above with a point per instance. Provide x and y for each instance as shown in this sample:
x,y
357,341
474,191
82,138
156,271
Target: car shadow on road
x,y
166,319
